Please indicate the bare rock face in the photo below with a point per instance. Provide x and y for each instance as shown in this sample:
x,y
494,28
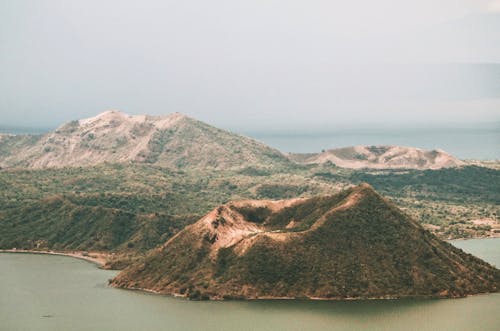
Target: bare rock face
x,y
173,140
351,245
382,157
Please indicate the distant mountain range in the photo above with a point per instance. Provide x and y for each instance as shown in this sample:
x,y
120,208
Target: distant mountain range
x,y
351,245
178,141
381,157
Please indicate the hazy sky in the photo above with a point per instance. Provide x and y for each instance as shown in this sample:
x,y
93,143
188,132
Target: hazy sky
x,y
251,65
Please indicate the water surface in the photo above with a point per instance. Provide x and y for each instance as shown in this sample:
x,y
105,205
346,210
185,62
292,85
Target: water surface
x,y
482,143
43,292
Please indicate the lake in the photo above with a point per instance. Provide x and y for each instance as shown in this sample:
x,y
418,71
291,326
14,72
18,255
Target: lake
x,y
482,143
45,292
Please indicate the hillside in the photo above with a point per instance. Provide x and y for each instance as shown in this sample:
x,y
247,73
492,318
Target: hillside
x,y
124,207
173,140
381,157
354,244
57,223
11,144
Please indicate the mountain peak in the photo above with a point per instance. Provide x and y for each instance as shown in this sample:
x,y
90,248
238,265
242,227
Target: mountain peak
x,y
364,187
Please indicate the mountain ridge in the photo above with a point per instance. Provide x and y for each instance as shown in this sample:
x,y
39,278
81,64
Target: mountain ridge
x,y
381,157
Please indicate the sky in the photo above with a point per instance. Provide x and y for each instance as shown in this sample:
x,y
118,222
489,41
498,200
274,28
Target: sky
x,y
252,65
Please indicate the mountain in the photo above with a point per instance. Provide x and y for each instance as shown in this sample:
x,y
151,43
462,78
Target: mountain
x,y
351,245
173,140
381,157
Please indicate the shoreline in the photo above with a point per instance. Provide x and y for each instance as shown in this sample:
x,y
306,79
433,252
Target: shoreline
x,y
97,258
305,298
472,238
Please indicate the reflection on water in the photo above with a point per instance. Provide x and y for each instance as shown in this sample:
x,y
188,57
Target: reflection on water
x,y
75,296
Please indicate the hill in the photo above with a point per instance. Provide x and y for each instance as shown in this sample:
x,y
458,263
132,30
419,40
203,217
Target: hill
x,y
351,245
57,223
173,140
381,157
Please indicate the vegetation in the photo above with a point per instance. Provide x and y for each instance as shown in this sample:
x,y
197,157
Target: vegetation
x,y
57,223
354,244
450,199
140,171
144,198
168,199
459,185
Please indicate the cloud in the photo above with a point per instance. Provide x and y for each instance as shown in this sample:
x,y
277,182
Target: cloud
x,y
494,6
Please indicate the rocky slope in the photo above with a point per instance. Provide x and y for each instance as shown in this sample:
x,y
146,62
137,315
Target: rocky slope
x,y
381,157
354,244
173,140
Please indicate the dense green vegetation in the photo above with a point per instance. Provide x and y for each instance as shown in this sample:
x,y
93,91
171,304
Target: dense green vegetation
x,y
154,196
58,223
459,185
448,198
146,198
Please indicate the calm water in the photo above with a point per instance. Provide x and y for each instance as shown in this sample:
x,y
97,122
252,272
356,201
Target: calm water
x,y
41,292
478,143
